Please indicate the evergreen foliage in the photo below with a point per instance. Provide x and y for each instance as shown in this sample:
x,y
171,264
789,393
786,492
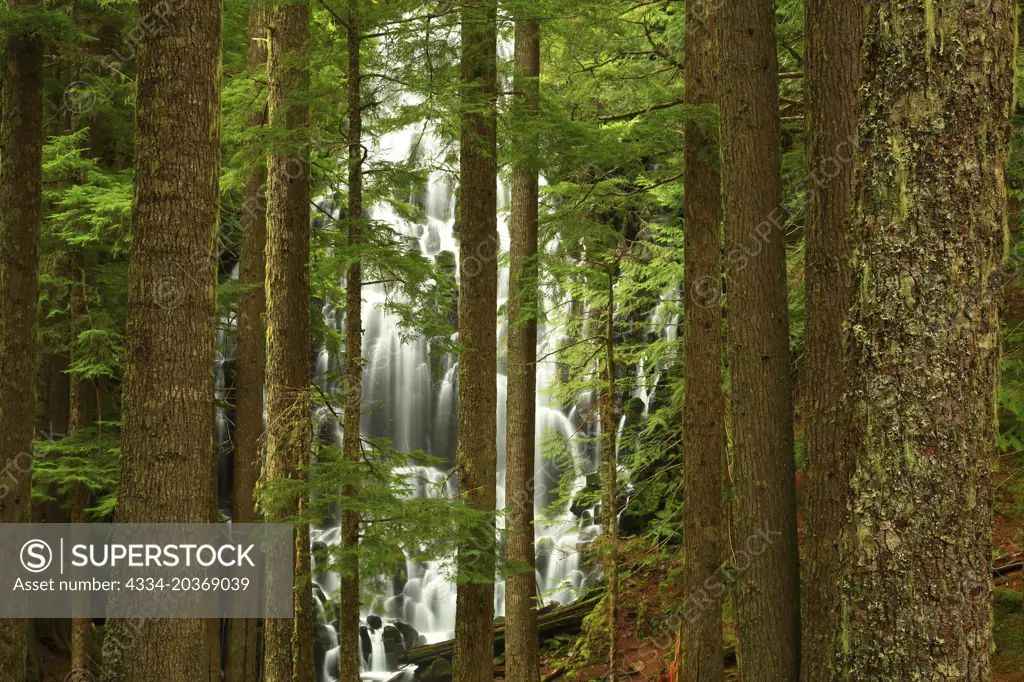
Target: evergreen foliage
x,y
611,133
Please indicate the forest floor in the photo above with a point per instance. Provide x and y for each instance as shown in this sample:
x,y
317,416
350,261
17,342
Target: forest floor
x,y
646,640
649,594
646,636
646,632
1008,540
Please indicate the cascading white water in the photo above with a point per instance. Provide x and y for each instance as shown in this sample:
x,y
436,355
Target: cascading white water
x,y
407,403
403,403
378,657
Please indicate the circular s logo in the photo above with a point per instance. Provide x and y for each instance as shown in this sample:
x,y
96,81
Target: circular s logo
x,y
79,675
36,556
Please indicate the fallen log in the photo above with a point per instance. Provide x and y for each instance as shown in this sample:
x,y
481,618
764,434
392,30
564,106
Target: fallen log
x,y
554,675
1007,565
567,618
570,619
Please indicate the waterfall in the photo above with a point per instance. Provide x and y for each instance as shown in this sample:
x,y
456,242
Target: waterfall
x,y
378,658
404,403
223,378
411,399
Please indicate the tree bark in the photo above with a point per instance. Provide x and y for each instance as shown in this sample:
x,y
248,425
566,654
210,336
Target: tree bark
x,y
168,382
767,600
923,334
521,635
348,635
609,474
832,70
21,141
77,420
80,627
476,453
251,354
288,643
704,403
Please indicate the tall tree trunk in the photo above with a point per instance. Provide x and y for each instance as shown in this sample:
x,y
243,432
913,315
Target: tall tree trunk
x,y
80,627
348,635
21,167
214,650
767,598
704,403
609,475
77,420
243,645
288,643
46,366
476,454
51,409
168,382
832,76
521,635
928,236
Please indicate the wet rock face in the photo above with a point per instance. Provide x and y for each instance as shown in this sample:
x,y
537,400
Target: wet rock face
x,y
394,645
409,634
324,639
365,645
439,670
319,598
446,259
397,638
545,550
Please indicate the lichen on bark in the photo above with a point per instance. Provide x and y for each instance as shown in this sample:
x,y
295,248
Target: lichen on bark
x,y
923,335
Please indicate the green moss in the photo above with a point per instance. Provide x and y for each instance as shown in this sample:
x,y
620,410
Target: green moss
x,y
902,201
929,18
907,289
845,635
594,634
908,454
728,619
1007,631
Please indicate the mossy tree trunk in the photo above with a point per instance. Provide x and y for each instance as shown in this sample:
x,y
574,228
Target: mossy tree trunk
x,y
476,454
77,401
21,159
767,594
348,630
242,661
288,643
521,635
609,473
923,334
704,403
168,383
832,76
